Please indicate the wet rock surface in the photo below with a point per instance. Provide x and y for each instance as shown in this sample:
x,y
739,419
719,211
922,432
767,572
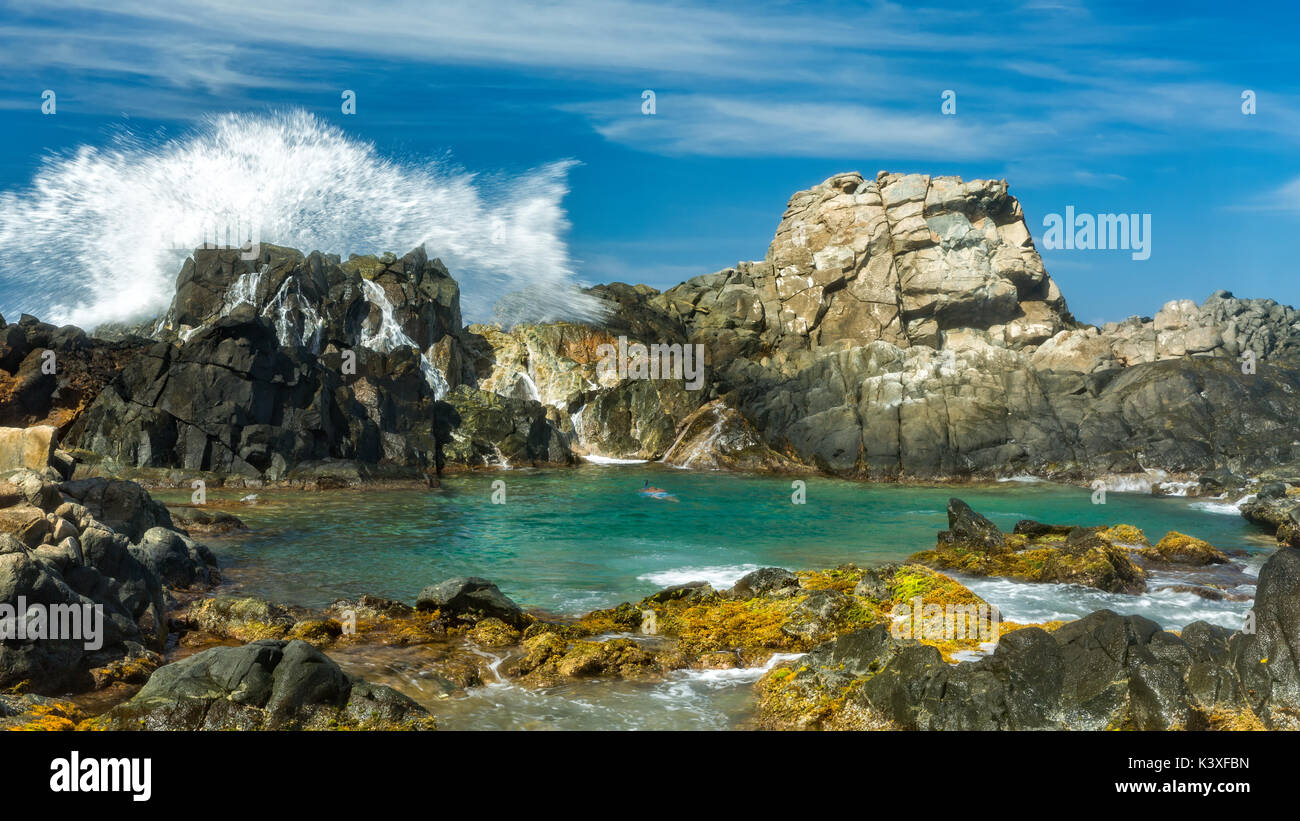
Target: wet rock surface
x,y
288,361
265,685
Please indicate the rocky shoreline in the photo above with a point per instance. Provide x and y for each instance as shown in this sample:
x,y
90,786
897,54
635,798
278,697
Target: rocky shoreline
x,y
192,658
899,329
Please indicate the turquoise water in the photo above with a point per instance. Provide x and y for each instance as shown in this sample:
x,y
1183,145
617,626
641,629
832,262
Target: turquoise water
x,y
568,541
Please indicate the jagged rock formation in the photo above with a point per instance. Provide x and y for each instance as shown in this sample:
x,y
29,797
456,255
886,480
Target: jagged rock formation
x,y
897,328
1223,325
280,366
49,375
905,328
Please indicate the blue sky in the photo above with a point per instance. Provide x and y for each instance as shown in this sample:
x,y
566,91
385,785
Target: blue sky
x,y
1107,107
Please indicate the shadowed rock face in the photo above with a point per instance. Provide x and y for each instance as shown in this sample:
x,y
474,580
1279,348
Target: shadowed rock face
x,y
49,375
289,363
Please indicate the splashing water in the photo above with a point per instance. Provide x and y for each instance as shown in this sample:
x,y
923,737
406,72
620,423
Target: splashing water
x,y
389,336
100,234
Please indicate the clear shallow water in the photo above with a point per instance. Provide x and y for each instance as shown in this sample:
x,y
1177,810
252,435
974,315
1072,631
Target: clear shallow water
x,y
568,541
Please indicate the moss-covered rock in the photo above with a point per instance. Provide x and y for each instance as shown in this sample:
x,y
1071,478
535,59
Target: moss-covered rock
x,y
1179,548
1040,553
494,633
241,618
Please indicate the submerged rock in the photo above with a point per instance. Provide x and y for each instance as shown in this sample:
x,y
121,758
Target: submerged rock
x,y
202,520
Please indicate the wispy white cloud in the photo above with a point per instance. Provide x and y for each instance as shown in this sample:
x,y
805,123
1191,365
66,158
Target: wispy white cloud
x,y
1285,198
733,126
1045,76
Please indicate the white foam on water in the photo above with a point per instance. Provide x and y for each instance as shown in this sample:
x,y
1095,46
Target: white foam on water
x,y
100,233
597,459
1027,602
720,577
1222,507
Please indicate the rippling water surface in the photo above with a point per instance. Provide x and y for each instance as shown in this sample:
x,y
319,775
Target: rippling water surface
x,y
568,541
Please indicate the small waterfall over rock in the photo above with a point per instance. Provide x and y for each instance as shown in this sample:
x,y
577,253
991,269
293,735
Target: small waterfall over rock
x,y
389,336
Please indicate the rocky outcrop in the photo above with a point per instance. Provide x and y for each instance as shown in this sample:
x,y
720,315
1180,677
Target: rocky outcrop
x,y
901,327
266,685
717,437
1223,325
470,599
49,375
904,327
1276,510
973,545
1104,671
102,554
290,361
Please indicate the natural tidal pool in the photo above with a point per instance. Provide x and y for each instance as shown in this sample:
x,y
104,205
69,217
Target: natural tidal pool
x,y
569,541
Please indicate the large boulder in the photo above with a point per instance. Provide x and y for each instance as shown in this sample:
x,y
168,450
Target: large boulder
x,y
31,448
266,685
179,561
470,599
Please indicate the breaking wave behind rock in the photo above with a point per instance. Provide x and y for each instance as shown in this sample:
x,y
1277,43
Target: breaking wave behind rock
x,y
100,234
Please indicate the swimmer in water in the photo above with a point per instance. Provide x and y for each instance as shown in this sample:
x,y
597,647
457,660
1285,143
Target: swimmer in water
x,y
656,492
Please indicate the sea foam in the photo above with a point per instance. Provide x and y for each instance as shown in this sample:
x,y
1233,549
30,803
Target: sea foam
x,y
100,233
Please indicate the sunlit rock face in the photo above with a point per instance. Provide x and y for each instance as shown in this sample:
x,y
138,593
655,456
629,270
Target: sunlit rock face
x,y
904,327
901,327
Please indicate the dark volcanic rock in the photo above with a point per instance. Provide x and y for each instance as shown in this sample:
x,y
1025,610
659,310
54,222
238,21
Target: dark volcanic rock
x,y
971,530
30,394
470,599
1268,661
290,361
765,581
266,685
